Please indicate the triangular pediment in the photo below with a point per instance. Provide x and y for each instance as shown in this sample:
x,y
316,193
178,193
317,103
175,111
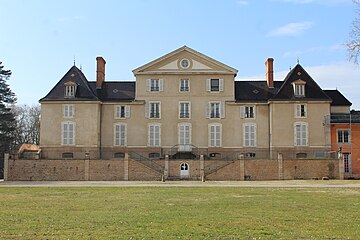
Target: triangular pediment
x,y
182,61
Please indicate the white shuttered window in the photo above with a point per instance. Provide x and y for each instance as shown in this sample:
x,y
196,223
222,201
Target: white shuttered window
x,y
120,134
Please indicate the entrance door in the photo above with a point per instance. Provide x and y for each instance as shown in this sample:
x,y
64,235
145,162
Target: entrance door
x,y
184,170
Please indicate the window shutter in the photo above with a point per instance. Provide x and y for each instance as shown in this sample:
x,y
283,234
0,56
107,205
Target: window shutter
x,y
161,85
127,111
147,110
222,110
242,111
159,109
66,110
158,135
208,85
254,135
254,109
148,85
150,134
189,109
123,134
208,110
221,85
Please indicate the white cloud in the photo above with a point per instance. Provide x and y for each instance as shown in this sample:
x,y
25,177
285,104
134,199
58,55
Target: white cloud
x,y
317,49
343,76
242,2
291,29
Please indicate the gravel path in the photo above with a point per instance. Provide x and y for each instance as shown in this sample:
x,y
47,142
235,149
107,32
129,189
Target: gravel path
x,y
292,183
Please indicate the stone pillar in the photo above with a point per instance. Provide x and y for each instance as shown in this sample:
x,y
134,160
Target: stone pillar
x,y
87,170
6,165
166,169
126,167
341,167
202,167
242,168
280,166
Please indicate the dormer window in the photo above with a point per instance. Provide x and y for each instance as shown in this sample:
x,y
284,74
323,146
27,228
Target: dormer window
x,y
299,88
70,89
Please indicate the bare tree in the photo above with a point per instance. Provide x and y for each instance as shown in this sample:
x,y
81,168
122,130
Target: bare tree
x,y
27,124
353,45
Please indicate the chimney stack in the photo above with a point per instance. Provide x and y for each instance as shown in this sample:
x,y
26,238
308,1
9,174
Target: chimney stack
x,y
269,64
100,72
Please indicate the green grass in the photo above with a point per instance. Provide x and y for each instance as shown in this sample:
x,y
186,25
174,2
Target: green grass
x,y
179,213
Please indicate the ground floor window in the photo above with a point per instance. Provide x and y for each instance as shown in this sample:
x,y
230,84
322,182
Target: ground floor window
x,y
346,157
215,135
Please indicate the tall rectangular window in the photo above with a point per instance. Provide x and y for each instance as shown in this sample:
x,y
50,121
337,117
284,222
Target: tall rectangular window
x,y
154,135
70,90
300,110
184,137
347,162
343,136
184,85
299,90
154,110
68,133
184,110
301,134
215,135
120,134
122,111
249,131
68,110
154,85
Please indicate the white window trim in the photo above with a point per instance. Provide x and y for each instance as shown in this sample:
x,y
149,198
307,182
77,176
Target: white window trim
x,y
188,85
120,137
221,109
250,125
337,136
179,110
160,83
179,133
117,111
62,133
209,135
148,109
307,134
299,86
67,109
70,90
298,110
150,143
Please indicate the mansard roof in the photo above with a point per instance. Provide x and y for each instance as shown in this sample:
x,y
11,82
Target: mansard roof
x,y
83,90
86,91
337,98
312,90
255,91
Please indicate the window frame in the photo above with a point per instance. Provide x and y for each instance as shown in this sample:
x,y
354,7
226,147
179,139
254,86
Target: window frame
x,y
120,135
183,88
70,89
183,115
154,136
184,135
340,134
148,110
155,85
118,111
248,112
249,136
299,89
299,112
301,138
65,133
215,137
210,88
211,110
68,110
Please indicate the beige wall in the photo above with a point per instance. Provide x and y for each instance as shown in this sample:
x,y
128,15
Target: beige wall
x,y
87,124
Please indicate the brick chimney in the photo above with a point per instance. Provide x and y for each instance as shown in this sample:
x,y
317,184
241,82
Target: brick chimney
x,y
100,72
269,64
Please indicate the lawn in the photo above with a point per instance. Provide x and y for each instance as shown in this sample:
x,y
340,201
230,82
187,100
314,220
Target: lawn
x,y
179,213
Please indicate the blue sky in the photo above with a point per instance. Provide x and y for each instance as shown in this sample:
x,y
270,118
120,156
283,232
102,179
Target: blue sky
x,y
39,39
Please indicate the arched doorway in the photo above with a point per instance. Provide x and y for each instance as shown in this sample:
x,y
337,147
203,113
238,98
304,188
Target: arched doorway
x,y
184,170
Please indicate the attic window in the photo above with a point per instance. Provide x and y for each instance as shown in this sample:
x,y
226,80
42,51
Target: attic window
x,y
299,88
70,89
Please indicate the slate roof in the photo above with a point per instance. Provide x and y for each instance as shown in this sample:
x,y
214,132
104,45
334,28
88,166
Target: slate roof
x,y
337,98
312,89
86,91
255,91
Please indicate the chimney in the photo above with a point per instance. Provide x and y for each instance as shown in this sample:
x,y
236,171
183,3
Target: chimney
x,y
100,72
269,64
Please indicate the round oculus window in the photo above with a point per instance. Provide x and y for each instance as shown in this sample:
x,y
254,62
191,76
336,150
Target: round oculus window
x,y
184,63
